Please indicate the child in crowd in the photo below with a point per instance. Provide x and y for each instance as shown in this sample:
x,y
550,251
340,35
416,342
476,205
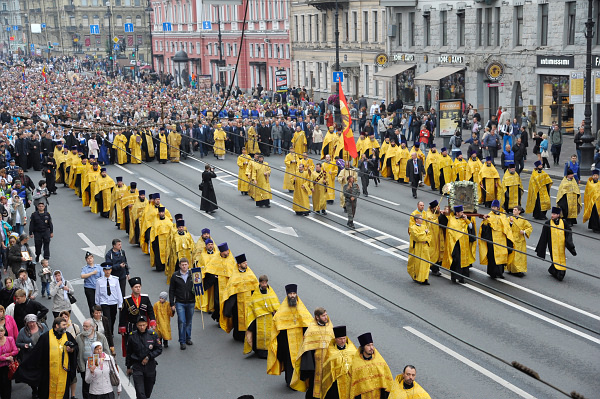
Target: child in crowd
x,y
163,314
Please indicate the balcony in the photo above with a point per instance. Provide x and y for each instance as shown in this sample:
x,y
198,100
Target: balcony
x,y
323,5
70,8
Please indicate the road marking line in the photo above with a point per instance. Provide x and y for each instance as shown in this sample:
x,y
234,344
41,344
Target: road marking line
x,y
383,200
531,312
383,237
155,185
336,287
403,246
556,301
126,387
252,240
470,363
194,207
191,167
360,229
124,169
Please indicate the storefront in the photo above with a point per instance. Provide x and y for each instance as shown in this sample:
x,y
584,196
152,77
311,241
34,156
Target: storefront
x,y
401,76
442,83
554,100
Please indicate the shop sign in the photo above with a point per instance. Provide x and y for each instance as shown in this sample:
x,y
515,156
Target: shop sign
x,y
450,59
494,71
555,61
381,59
448,115
596,78
404,57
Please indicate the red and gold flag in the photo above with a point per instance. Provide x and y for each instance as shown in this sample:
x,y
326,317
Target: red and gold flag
x,y
349,143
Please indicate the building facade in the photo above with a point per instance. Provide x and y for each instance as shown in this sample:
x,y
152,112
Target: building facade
x,y
265,49
362,36
523,55
13,25
66,25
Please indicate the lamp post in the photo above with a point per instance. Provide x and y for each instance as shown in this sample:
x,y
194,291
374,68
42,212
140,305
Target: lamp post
x,y
149,11
221,80
109,42
587,149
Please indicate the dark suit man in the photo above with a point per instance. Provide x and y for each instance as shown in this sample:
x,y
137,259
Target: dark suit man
x,y
363,167
414,171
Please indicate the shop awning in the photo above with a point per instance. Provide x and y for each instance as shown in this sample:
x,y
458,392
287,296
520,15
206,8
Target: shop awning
x,y
390,72
432,78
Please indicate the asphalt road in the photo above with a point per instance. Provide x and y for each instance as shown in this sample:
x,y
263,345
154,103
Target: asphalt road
x,y
360,278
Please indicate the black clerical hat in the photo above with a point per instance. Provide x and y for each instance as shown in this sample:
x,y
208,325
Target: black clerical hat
x,y
241,258
365,339
291,288
339,331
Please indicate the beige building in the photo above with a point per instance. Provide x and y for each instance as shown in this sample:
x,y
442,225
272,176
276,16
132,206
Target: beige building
x,y
68,24
363,35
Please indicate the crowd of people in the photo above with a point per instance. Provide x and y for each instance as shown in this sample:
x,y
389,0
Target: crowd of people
x,y
70,126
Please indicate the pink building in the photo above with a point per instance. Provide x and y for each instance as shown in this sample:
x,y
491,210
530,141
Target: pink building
x,y
265,50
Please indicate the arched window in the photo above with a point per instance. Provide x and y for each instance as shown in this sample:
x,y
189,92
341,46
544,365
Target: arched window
x,y
96,20
138,20
128,20
119,20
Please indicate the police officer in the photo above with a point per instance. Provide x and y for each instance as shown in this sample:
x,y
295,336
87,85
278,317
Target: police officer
x,y
40,227
135,305
143,347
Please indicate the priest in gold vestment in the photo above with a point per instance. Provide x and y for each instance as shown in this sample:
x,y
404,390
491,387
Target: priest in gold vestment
x,y
568,197
591,200
512,187
240,286
370,376
556,237
538,195
261,308
335,382
101,194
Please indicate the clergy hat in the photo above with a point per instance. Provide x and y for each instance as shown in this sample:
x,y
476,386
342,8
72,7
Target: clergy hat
x,y
365,339
569,171
241,258
434,203
473,152
180,222
119,178
178,216
458,208
205,231
339,331
142,192
223,247
208,241
73,147
161,209
511,166
495,203
151,196
106,265
596,172
141,318
156,195
488,159
432,146
444,149
102,169
133,184
92,156
417,144
537,163
402,141
291,288
556,209
134,281
458,153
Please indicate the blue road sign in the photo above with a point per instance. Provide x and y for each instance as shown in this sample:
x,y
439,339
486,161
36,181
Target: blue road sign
x,y
55,44
32,46
128,28
116,47
206,25
8,28
16,27
338,77
167,27
94,29
43,26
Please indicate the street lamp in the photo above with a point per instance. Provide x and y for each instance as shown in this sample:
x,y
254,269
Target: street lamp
x,y
108,43
149,11
587,149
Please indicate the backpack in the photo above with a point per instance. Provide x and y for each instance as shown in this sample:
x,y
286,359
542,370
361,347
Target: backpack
x,y
457,141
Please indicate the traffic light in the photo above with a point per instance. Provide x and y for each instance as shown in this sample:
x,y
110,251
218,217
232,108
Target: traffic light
x,y
50,46
133,55
110,57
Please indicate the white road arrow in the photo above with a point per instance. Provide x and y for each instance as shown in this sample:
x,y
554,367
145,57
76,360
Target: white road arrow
x,y
96,250
279,229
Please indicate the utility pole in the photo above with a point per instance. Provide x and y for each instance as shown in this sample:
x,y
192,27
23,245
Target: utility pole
x,y
221,81
149,11
109,42
587,149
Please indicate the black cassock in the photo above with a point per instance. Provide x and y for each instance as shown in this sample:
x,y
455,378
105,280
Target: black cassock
x,y
546,242
564,205
209,197
230,309
537,209
493,269
210,280
594,222
35,371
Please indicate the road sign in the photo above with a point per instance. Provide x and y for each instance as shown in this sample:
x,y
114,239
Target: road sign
x,y
94,29
116,39
206,25
55,44
495,84
132,62
44,26
226,68
116,47
338,77
128,28
8,28
167,27
15,27
12,39
32,46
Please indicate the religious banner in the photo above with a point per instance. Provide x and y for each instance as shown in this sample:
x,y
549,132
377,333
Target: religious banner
x,y
449,114
197,276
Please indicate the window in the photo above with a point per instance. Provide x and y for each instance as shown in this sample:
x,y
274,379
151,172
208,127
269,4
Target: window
x,y
302,22
209,49
86,21
411,29
497,33
310,18
355,25
444,27
287,51
399,23
317,29
571,8
95,3
234,50
518,26
84,3
138,20
127,3
128,20
427,29
96,20
367,80
119,20
137,3
297,27
375,26
488,27
346,27
365,26
479,22
118,3
324,25
460,29
251,50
